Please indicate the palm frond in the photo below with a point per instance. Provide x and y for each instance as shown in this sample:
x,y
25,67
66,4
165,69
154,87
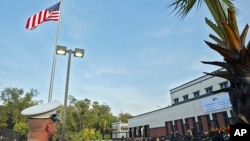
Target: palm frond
x,y
183,7
217,29
232,21
244,34
225,65
217,9
232,39
219,41
228,55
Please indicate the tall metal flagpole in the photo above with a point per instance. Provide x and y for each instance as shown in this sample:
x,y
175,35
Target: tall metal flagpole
x,y
54,59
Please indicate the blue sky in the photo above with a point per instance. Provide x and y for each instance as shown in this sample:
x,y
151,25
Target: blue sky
x,y
135,50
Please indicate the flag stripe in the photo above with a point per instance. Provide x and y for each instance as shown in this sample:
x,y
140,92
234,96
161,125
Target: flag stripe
x,y
36,19
53,16
50,14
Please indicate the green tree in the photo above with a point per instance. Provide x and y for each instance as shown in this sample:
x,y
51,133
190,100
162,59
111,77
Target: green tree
x,y
84,120
104,118
21,127
229,43
82,115
77,114
14,101
123,117
87,134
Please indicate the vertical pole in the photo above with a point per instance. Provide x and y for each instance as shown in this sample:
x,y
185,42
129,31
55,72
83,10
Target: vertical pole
x,y
54,58
66,95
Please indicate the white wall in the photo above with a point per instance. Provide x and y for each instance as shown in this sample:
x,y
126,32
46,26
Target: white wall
x,y
181,111
196,85
191,108
119,129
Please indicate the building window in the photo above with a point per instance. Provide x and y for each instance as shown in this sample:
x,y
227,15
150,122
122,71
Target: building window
x,y
130,132
175,125
224,85
146,131
196,94
233,118
208,122
209,90
200,123
215,120
187,124
176,100
185,97
226,120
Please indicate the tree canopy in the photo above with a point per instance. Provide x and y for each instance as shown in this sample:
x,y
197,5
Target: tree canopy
x,y
85,119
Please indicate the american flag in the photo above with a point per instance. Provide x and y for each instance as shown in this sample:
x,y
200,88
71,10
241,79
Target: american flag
x,y
50,14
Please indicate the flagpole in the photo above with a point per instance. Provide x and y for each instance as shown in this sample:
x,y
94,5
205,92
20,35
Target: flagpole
x,y
54,58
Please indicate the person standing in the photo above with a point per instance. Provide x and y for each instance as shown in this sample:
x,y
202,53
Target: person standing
x,y
41,121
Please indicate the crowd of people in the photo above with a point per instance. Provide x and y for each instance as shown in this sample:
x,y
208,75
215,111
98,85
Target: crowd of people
x,y
190,136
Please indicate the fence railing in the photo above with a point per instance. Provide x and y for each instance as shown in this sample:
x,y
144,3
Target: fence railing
x,y
10,135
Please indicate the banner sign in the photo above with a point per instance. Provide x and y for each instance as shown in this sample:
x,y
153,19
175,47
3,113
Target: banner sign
x,y
216,102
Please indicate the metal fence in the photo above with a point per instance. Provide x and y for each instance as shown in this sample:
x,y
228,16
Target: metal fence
x,y
10,135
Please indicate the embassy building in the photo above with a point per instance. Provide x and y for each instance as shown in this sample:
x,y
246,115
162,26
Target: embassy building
x,y
194,106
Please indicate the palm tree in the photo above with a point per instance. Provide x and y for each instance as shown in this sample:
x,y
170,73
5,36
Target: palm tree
x,y
231,45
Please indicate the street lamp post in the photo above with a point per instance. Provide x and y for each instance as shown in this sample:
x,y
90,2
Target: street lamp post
x,y
62,50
